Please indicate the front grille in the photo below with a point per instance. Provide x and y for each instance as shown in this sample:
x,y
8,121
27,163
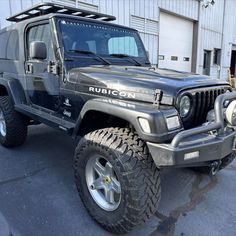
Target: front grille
x,y
203,101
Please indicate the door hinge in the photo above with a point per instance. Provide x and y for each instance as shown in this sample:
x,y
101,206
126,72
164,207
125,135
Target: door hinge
x,y
157,97
53,68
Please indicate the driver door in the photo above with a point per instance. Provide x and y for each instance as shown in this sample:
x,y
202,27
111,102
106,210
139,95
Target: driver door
x,y
43,86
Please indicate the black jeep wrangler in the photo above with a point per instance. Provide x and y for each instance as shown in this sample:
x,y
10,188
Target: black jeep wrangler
x,y
73,70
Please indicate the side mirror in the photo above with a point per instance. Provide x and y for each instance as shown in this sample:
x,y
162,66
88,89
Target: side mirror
x,y
147,52
38,50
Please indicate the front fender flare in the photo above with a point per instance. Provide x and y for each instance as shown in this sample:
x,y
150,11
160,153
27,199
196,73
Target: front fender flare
x,y
131,112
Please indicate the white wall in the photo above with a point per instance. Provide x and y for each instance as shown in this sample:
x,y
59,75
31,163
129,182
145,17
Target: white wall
x,y
211,33
9,7
185,8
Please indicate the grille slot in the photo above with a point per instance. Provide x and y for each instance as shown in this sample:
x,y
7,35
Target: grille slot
x,y
203,101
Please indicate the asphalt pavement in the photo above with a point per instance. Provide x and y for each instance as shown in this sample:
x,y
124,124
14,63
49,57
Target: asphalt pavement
x,y
38,196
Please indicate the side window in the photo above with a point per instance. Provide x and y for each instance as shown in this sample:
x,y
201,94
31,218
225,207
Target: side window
x,y
41,33
123,45
13,46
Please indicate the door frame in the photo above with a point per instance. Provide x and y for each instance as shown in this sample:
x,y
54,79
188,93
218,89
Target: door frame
x,y
26,54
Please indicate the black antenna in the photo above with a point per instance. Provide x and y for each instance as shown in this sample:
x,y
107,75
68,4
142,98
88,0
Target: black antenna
x,y
47,8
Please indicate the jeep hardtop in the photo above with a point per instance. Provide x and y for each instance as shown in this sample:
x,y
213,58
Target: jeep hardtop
x,y
75,71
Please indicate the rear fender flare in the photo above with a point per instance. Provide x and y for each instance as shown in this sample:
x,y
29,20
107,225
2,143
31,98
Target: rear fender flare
x,y
14,89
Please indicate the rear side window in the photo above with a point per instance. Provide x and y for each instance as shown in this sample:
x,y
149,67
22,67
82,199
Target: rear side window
x,y
3,44
9,45
13,46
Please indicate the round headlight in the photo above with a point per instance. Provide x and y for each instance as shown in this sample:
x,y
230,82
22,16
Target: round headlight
x,y
184,106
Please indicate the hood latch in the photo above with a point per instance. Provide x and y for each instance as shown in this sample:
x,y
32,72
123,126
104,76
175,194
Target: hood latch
x,y
157,97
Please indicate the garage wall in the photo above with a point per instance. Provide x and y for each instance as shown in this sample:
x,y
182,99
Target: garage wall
x,y
122,9
185,8
211,33
229,39
9,7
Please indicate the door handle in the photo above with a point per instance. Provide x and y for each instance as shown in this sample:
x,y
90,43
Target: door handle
x,y
29,68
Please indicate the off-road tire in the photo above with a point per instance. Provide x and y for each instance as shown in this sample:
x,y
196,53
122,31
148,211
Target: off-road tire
x,y
16,124
135,169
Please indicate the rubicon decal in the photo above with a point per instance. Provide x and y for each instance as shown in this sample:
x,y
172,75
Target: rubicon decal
x,y
112,92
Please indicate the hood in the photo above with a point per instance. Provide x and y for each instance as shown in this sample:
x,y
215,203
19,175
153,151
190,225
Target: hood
x,y
137,83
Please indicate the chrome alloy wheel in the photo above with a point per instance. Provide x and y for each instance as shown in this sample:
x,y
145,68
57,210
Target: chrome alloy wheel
x,y
3,130
102,183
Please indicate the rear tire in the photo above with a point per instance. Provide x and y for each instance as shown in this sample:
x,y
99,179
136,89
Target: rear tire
x,y
134,170
13,126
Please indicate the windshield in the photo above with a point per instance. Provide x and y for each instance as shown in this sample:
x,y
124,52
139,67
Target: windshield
x,y
79,37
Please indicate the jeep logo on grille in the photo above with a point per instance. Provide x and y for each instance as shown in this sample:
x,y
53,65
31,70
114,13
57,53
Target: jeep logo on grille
x,y
112,92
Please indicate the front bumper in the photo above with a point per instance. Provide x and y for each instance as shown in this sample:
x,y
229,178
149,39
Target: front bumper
x,y
203,149
197,146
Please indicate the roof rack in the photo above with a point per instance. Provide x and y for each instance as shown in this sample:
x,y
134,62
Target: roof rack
x,y
47,8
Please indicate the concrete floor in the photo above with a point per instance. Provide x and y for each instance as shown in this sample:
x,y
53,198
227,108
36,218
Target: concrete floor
x,y
38,195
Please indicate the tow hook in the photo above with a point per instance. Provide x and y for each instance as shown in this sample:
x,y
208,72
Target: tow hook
x,y
215,167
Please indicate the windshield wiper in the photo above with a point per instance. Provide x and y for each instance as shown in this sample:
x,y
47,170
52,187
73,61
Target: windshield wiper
x,y
127,56
92,54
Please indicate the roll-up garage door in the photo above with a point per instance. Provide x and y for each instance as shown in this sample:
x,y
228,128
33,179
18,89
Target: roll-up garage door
x,y
176,42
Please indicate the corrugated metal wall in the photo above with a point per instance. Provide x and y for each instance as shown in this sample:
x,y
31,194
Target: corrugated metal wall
x,y
211,32
186,8
216,23
229,35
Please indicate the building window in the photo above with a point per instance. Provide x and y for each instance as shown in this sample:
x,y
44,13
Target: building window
x,y
174,58
207,62
217,55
